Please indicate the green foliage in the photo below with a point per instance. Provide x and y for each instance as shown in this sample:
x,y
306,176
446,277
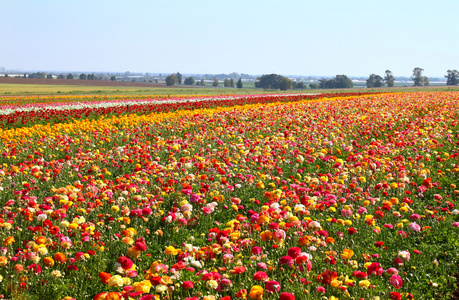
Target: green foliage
x,y
232,84
215,83
179,78
299,85
49,76
91,77
189,81
171,80
452,78
70,76
426,81
239,84
417,76
285,84
61,76
113,78
389,78
83,76
226,83
375,81
314,85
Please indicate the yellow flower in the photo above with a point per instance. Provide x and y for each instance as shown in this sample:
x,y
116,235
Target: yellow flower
x,y
364,283
172,251
116,280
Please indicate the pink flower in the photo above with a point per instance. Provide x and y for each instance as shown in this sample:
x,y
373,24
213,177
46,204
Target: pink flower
x,y
273,286
456,224
405,255
256,250
415,227
396,281
320,289
415,217
392,271
286,260
262,265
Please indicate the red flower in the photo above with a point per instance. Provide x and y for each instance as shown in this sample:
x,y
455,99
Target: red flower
x,y
286,296
379,244
294,252
260,276
395,296
351,230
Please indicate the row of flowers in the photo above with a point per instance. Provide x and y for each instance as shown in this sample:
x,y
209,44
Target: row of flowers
x,y
350,197
13,116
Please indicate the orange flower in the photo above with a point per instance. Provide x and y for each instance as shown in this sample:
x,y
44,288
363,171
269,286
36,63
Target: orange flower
x,y
48,261
8,241
266,235
256,292
60,257
113,296
104,277
347,254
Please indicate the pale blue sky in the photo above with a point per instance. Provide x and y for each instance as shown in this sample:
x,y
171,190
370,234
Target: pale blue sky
x,y
320,37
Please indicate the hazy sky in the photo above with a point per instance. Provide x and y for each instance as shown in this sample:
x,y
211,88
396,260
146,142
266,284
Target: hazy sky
x,y
302,37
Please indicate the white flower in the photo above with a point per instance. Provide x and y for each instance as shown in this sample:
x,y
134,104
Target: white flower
x,y
42,217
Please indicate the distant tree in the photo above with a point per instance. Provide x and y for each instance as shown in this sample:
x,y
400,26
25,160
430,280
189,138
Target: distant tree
x,y
198,82
314,85
452,78
171,80
232,82
70,76
179,78
375,81
49,76
203,83
6,75
343,82
91,77
239,83
270,81
61,76
226,82
113,78
37,75
389,78
417,76
83,76
285,84
426,81
189,81
215,83
300,85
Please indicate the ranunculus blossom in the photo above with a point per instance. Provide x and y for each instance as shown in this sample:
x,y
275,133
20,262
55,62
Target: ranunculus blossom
x,y
415,227
396,281
272,286
286,296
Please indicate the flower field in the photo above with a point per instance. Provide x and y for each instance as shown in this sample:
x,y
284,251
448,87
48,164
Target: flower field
x,y
343,196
